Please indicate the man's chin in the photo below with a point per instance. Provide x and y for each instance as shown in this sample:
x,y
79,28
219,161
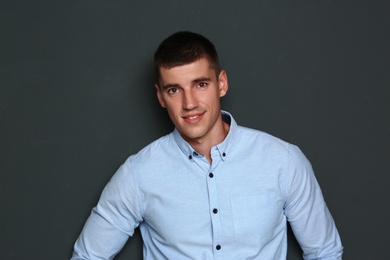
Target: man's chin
x,y
190,136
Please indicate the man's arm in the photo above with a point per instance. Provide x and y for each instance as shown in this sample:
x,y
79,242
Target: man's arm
x,y
113,220
307,213
99,239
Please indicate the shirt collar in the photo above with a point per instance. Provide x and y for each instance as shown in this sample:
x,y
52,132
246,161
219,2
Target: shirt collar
x,y
222,148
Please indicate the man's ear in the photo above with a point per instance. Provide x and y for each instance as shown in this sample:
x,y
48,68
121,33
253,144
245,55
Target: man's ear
x,y
159,95
223,83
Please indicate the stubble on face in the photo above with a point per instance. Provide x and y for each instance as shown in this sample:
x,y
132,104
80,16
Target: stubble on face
x,y
191,94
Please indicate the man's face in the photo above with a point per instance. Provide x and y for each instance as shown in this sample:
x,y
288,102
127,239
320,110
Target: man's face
x,y
191,94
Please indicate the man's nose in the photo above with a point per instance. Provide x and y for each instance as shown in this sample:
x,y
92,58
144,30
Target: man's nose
x,y
189,100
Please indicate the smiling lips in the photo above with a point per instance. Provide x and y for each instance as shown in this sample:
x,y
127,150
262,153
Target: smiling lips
x,y
192,119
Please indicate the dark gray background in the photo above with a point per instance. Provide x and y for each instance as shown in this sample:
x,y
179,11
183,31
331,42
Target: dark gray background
x,y
77,98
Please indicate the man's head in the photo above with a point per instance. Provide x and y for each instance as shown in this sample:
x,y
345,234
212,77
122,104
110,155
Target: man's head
x,y
182,48
190,85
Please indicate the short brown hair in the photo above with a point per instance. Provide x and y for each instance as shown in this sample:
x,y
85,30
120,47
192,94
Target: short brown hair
x,y
182,48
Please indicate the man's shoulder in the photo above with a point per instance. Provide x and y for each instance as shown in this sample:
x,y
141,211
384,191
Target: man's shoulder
x,y
269,145
258,136
154,152
158,146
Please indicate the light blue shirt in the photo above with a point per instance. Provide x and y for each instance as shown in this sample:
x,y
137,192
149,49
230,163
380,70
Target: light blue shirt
x,y
235,208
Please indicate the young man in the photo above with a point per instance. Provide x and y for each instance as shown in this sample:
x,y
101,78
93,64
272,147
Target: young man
x,y
211,189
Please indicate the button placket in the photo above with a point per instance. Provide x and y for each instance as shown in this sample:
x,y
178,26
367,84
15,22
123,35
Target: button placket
x,y
215,217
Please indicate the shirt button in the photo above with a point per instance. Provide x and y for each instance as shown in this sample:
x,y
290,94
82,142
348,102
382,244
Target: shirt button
x,y
215,211
190,157
218,247
224,154
211,175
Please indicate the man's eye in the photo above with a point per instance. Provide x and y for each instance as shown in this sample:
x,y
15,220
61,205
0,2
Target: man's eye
x,y
202,84
172,90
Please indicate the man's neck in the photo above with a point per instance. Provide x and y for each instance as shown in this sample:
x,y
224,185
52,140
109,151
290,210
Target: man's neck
x,y
204,146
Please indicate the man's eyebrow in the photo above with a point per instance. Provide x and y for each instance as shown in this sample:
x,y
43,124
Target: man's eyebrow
x,y
169,86
175,85
201,79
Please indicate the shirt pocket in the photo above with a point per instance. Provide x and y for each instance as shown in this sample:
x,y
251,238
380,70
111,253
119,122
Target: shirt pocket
x,y
254,218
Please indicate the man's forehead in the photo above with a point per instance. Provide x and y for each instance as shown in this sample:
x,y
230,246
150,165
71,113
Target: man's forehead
x,y
199,68
202,61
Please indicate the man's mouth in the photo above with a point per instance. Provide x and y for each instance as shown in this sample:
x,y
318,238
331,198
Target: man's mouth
x,y
193,118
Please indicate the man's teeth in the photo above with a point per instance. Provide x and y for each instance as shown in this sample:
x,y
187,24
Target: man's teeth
x,y
192,117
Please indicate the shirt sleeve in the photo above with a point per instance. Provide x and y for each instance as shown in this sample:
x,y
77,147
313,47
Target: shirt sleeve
x,y
306,210
113,220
